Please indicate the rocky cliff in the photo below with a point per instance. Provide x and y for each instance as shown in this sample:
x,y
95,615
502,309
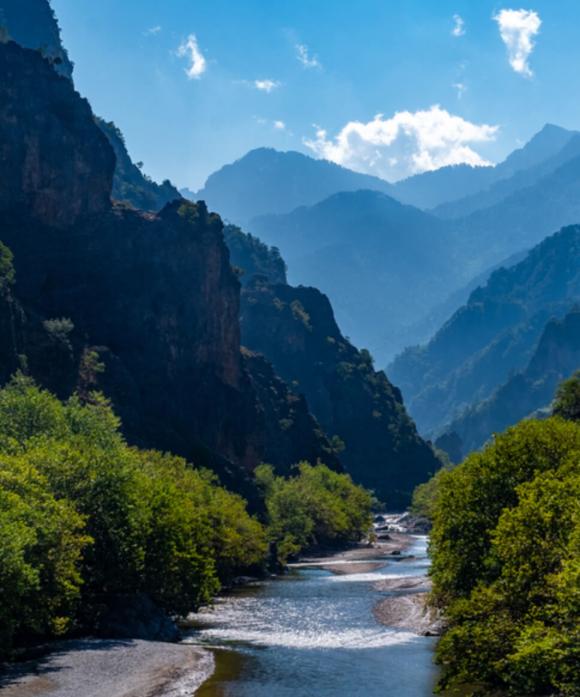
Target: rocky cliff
x,y
130,185
151,297
32,24
359,409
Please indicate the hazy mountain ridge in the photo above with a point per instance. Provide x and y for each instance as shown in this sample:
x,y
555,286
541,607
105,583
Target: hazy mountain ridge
x,y
366,251
493,334
446,188
520,179
556,357
266,181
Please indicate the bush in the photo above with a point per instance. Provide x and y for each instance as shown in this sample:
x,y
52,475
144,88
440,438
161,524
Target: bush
x,y
317,507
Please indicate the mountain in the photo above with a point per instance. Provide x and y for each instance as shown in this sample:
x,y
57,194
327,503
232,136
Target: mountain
x,y
266,181
526,393
33,24
441,188
130,185
367,251
522,219
491,336
144,307
521,179
357,406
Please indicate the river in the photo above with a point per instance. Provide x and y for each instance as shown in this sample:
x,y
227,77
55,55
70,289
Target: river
x,y
313,633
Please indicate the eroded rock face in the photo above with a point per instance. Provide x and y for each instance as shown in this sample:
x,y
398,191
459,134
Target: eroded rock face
x,y
55,166
154,295
157,293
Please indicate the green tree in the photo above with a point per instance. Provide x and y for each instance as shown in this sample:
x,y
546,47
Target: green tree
x,y
505,549
567,403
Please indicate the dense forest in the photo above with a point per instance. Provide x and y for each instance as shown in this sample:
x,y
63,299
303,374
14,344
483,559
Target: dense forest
x,y
506,556
87,522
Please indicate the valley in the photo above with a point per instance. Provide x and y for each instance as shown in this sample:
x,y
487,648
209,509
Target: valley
x,y
211,395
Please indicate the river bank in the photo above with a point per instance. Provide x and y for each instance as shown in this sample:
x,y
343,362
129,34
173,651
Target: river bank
x,y
329,608
110,668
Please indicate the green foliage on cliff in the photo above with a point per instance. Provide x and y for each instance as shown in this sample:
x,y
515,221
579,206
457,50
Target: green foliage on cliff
x,y
317,507
506,563
85,517
567,403
254,257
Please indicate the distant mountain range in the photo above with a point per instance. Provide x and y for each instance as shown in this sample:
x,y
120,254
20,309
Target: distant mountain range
x,y
266,181
493,336
528,392
366,251
350,235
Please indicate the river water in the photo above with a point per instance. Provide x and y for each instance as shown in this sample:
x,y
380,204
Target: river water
x,y
313,634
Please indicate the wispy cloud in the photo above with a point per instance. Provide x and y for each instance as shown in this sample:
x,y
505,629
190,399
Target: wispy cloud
x,y
460,88
517,29
266,85
190,49
304,56
458,26
153,31
405,144
279,125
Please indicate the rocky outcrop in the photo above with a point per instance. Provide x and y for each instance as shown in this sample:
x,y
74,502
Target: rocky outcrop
x,y
359,409
251,257
152,297
157,293
43,125
130,185
32,24
290,433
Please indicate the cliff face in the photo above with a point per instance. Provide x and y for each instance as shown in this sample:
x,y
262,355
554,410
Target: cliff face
x,y
156,294
290,434
32,24
130,185
358,408
38,135
152,297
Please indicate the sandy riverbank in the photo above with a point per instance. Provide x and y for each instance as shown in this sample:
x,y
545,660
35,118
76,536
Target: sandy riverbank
x,y
361,558
110,668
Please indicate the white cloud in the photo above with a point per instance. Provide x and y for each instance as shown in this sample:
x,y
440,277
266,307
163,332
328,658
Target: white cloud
x,y
279,125
460,88
458,26
303,55
266,85
152,31
407,143
517,29
190,49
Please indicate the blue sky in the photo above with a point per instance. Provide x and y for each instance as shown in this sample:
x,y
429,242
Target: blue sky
x,y
374,57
